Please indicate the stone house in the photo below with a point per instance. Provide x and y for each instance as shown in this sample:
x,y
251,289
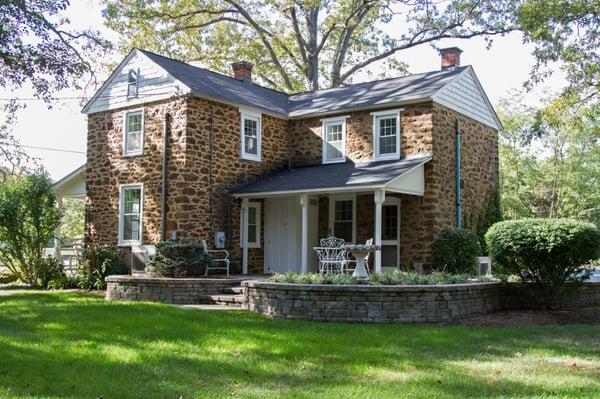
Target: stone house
x,y
180,152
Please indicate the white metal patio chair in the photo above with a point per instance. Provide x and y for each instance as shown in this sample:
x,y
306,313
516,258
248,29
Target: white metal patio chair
x,y
331,259
332,242
216,262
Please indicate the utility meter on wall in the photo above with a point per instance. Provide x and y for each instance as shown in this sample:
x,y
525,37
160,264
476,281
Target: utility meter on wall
x,y
219,239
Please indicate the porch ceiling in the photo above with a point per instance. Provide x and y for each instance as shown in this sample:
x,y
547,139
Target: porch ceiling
x,y
339,177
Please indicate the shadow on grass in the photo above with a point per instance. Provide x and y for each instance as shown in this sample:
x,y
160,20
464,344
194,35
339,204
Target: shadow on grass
x,y
77,345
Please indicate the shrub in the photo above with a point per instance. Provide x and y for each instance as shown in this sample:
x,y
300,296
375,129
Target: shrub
x,y
396,277
455,251
179,259
545,253
64,282
99,262
28,219
48,269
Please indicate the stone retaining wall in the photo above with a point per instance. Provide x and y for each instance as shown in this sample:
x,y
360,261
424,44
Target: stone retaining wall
x,y
386,304
180,291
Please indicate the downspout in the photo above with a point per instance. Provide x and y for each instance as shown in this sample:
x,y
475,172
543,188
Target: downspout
x,y
210,167
165,159
457,177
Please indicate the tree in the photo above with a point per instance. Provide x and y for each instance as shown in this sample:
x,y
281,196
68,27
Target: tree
x,y
565,31
37,47
28,219
550,159
13,158
298,45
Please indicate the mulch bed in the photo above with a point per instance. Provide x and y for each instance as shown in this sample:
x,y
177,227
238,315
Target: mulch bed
x,y
535,317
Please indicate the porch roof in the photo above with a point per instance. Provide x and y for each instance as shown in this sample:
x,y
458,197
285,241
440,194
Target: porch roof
x,y
339,177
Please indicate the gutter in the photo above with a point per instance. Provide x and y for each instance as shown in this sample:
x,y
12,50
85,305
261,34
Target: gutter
x,y
457,193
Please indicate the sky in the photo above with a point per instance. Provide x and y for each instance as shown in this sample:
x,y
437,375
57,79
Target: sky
x,y
500,69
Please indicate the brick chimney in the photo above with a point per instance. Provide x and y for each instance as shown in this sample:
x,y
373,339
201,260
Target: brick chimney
x,y
242,70
450,57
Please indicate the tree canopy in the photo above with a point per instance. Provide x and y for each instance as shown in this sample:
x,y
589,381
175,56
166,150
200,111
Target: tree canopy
x,y
550,159
37,47
297,45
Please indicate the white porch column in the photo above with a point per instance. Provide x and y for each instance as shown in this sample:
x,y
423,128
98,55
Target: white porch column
x,y
59,205
244,234
304,245
379,199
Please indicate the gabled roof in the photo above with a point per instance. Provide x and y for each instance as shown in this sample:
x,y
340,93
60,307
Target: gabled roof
x,y
346,175
402,90
221,87
456,88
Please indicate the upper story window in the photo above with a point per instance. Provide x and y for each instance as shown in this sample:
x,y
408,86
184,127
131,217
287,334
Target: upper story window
x,y
386,134
334,139
133,137
250,135
131,199
132,84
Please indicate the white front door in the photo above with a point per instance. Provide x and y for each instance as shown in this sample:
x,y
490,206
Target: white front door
x,y
281,242
390,234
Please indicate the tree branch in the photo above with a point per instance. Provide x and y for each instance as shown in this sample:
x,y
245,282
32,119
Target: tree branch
x,y
265,41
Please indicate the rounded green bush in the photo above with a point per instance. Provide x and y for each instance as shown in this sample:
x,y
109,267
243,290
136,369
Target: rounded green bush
x,y
455,251
545,252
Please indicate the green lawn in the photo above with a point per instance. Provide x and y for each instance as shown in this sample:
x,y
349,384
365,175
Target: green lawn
x,y
73,345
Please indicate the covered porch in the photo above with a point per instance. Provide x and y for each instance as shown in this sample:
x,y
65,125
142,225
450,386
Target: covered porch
x,y
284,215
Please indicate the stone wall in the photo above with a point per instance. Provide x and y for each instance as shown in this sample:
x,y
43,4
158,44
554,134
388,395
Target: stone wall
x,y
179,291
387,304
416,127
199,203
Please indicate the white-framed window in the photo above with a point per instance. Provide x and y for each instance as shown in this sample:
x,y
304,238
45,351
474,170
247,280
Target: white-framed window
x,y
250,132
253,225
386,135
342,217
131,207
132,83
133,133
334,139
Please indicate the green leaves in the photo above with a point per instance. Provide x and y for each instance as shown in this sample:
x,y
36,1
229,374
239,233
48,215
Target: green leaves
x,y
455,251
543,252
28,218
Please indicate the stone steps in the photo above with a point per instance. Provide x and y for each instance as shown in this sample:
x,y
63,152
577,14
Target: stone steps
x,y
234,300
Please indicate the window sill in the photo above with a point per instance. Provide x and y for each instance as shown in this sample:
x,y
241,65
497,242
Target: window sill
x,y
132,155
128,243
251,158
391,157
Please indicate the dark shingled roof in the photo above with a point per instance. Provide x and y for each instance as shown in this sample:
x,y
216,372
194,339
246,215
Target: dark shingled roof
x,y
221,87
347,174
355,96
369,94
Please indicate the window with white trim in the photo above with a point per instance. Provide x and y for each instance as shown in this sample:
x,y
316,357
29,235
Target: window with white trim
x,y
133,138
132,84
253,225
334,140
250,136
343,220
130,214
386,134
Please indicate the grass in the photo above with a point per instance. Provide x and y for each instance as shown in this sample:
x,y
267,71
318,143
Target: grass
x,y
75,345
